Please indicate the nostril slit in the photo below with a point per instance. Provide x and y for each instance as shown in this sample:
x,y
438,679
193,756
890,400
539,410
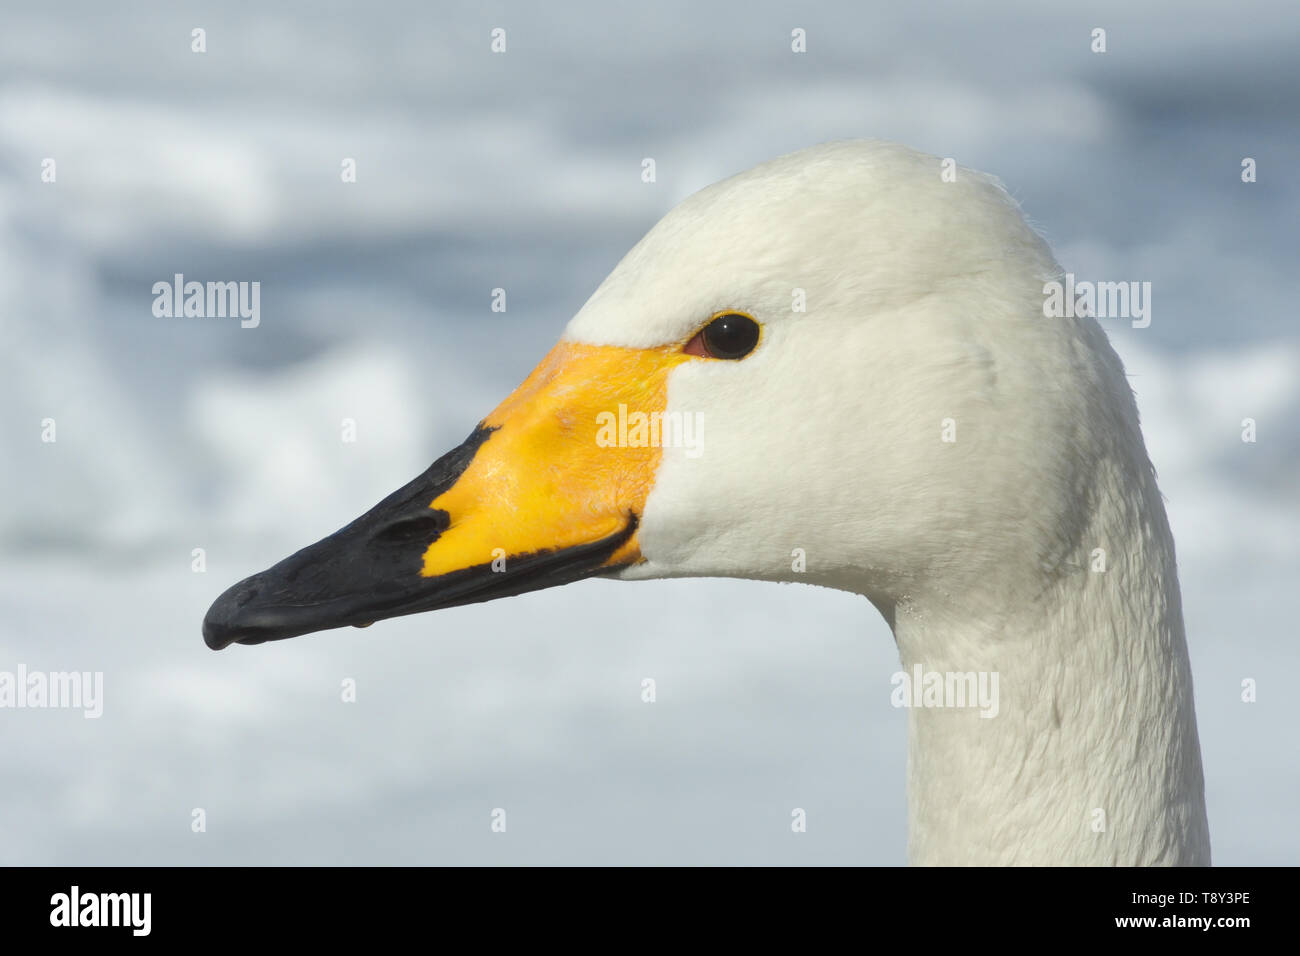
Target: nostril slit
x,y
247,596
418,528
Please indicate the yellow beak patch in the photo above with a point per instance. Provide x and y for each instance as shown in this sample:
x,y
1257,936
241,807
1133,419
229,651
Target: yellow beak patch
x,y
549,477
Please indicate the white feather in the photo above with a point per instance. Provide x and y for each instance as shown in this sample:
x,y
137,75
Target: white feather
x,y
924,303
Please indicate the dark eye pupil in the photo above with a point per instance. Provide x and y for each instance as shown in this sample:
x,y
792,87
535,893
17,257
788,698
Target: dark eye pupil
x,y
731,336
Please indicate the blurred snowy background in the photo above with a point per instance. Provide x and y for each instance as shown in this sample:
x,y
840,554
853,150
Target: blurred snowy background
x,y
522,171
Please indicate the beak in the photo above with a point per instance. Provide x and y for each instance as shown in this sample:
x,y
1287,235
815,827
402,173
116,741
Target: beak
x,y
537,496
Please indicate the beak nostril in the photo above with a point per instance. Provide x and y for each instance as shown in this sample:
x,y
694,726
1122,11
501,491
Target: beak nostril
x,y
247,596
426,528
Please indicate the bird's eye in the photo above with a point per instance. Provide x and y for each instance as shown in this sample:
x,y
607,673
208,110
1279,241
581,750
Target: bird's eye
x,y
729,335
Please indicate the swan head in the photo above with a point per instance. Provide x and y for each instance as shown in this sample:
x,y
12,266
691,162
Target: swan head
x,y
833,368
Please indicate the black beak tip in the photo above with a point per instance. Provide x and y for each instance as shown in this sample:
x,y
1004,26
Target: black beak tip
x,y
262,608
214,636
219,636
222,624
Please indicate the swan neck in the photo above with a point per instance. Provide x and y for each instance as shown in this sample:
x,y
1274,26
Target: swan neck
x,y
1089,754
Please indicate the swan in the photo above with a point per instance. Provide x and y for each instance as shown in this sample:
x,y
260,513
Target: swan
x,y
841,355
